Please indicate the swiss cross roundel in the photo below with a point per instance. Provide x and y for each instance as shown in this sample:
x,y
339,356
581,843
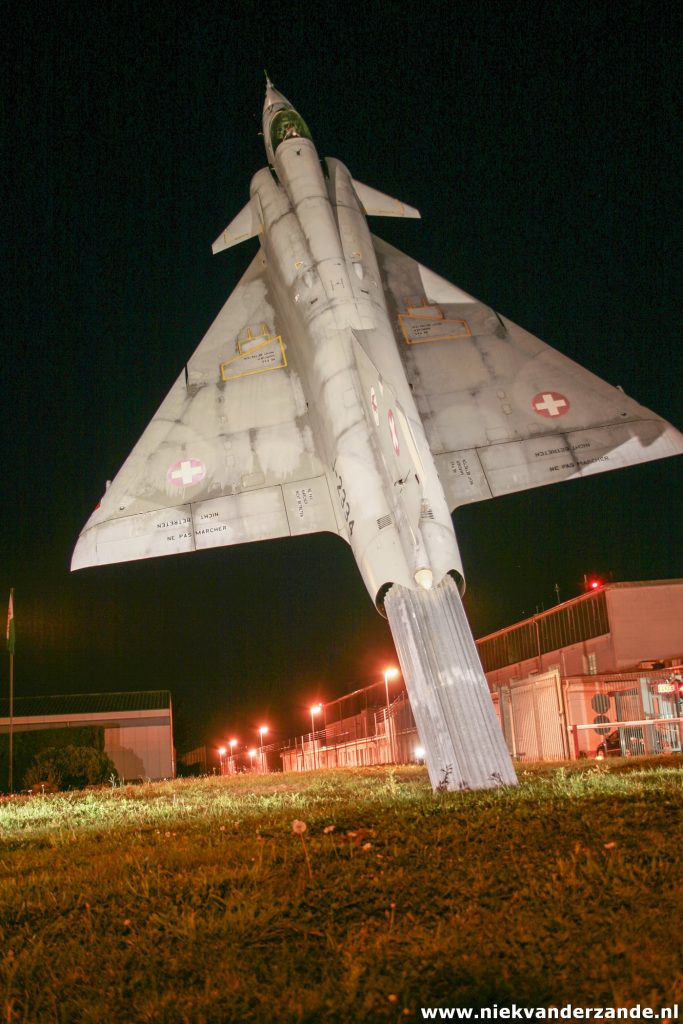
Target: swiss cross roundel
x,y
550,403
186,473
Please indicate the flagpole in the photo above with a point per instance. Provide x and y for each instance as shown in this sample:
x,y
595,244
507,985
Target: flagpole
x,y
10,648
11,720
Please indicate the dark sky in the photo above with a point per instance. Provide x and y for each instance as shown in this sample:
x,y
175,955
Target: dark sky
x,y
539,142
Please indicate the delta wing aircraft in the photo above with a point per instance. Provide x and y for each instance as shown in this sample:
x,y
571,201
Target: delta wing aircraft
x,y
344,387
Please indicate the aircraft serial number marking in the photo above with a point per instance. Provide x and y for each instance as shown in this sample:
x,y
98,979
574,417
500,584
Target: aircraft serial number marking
x,y
463,468
345,507
304,496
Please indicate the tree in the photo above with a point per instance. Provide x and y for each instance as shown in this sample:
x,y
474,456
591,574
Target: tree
x,y
70,768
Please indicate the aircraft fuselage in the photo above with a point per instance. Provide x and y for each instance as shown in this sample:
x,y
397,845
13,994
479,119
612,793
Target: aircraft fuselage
x,y
322,267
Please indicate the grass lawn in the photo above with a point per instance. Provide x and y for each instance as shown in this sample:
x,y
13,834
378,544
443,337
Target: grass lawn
x,y
196,900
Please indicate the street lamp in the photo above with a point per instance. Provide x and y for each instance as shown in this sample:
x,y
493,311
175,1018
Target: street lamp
x,y
221,754
389,673
315,710
232,745
252,755
262,731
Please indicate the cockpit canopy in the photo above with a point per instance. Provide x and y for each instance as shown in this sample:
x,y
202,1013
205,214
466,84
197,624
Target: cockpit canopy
x,y
287,124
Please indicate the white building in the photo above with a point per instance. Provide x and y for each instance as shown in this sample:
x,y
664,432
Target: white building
x,y
565,679
618,627
563,682
137,727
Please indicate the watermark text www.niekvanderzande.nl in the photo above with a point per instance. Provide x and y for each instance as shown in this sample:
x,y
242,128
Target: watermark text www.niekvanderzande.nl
x,y
567,1012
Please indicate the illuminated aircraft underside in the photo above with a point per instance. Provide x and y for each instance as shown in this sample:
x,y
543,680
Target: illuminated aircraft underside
x,y
346,388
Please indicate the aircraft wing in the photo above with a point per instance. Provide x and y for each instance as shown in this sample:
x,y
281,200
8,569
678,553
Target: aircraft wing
x,y
502,410
229,457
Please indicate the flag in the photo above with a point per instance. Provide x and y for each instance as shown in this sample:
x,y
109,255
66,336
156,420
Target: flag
x,y
10,622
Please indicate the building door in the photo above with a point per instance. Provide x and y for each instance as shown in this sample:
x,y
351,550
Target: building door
x,y
536,706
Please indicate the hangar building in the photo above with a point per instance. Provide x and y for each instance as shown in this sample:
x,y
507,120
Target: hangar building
x,y
564,680
137,727
601,668
612,629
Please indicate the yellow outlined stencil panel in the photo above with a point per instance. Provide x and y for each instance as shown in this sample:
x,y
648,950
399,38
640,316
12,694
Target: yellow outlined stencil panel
x,y
257,352
424,322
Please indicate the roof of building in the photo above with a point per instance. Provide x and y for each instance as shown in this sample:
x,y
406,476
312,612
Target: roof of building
x,y
574,621
87,704
588,596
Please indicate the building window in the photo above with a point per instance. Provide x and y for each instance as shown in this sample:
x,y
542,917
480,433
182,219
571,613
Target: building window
x,y
583,620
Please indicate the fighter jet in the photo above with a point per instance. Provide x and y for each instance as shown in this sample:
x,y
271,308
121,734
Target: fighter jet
x,y
344,387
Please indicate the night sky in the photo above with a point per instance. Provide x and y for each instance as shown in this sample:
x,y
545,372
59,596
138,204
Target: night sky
x,y
539,141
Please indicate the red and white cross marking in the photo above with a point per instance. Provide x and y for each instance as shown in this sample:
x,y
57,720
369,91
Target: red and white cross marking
x,y
186,473
393,432
550,403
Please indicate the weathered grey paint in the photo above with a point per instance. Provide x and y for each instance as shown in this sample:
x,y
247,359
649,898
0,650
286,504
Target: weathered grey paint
x,y
447,688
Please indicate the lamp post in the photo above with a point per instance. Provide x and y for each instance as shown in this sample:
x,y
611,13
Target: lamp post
x,y
252,755
232,745
315,710
221,754
262,731
389,673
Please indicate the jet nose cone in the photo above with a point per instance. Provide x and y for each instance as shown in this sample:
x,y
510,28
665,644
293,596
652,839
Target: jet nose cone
x,y
274,99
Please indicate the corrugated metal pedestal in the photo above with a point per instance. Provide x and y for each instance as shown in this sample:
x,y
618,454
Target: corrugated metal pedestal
x,y
447,689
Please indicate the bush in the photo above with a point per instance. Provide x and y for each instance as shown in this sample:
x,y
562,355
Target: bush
x,y
70,768
27,746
